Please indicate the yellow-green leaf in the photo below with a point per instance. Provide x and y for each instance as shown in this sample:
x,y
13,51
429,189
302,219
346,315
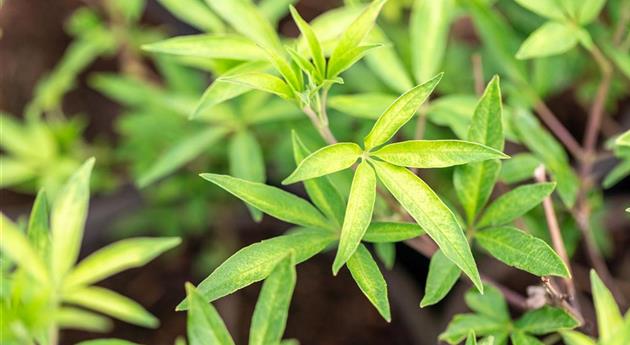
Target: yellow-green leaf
x,y
204,326
368,277
324,161
515,203
443,275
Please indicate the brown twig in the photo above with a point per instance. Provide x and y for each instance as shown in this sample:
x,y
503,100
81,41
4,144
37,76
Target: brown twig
x,y
477,68
557,128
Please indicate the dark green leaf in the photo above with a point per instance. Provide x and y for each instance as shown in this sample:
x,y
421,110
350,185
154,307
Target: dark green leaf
x,y
368,277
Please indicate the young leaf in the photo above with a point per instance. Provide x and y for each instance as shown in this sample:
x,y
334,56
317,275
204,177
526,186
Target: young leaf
x,y
320,190
314,45
431,214
430,22
459,328
107,342
443,275
386,252
117,257
550,39
247,162
590,10
205,326
545,320
515,247
324,161
363,105
38,227
383,232
358,213
609,318
263,82
111,303
471,339
271,200
521,338
368,277
209,46
194,13
436,153
79,319
256,261
486,126
518,168
544,8
399,113
515,203
274,10
279,62
272,308
68,215
576,338
348,59
352,37
17,247
15,172
180,154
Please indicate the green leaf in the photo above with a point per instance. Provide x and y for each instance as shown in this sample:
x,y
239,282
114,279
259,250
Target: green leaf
x,y
246,19
352,37
545,320
320,190
471,339
106,342
459,328
117,257
272,308
324,161
113,304
609,318
443,275
518,168
209,46
474,182
617,174
15,172
204,326
386,252
576,338
194,13
271,200
550,39
280,63
590,10
181,153
491,304
314,46
544,8
263,82
358,213
382,232
399,113
515,203
436,153
368,277
387,64
520,338
17,247
622,336
430,22
515,247
38,227
68,215
274,10
80,319
348,59
362,105
431,214
247,162
256,261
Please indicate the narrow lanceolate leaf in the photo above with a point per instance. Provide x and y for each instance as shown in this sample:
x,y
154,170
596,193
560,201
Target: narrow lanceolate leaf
x,y
38,228
474,182
180,154
247,162
363,105
550,39
590,10
521,338
271,200
245,18
544,8
272,308
358,213
577,338
110,341
387,64
515,247
80,319
354,34
349,58
320,190
430,22
117,257
490,304
399,113
263,82
622,335
545,320
280,63
443,275
383,232
312,41
204,326
113,304
515,203
68,216
368,277
255,262
471,339
16,246
209,46
325,161
436,153
431,214
609,318
386,252
461,325
194,13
